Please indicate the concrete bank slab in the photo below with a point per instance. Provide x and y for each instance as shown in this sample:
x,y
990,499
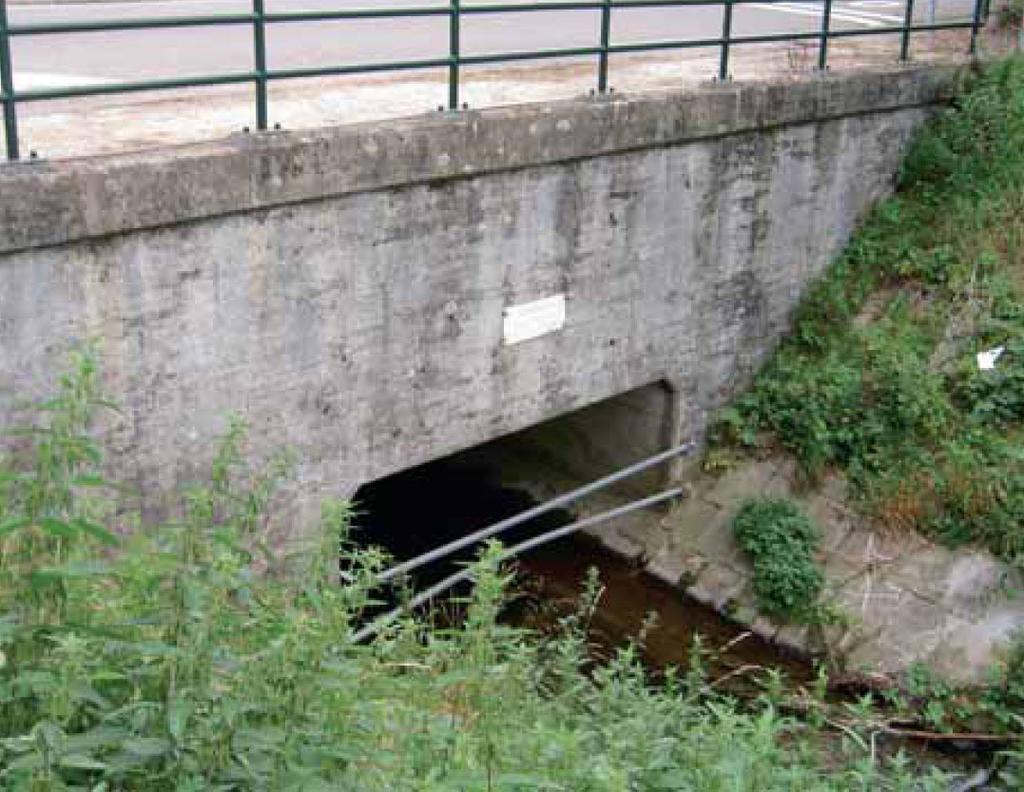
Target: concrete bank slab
x,y
905,600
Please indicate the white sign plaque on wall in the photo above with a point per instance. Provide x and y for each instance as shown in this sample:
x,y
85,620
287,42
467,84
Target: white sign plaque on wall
x,y
533,319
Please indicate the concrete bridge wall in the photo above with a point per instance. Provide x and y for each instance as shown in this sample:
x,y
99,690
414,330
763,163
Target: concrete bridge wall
x,y
344,289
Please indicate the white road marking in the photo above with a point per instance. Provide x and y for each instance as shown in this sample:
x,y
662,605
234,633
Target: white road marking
x,y
870,15
36,81
815,9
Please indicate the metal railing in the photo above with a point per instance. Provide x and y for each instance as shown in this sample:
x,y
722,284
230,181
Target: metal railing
x,y
261,74
423,597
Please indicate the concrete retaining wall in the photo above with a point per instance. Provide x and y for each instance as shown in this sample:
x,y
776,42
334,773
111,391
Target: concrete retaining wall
x,y
344,290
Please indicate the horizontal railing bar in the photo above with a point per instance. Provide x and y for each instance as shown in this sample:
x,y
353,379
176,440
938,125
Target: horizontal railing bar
x,y
627,4
766,38
773,38
453,580
358,13
651,46
366,68
477,10
899,29
76,91
509,57
507,8
102,26
148,23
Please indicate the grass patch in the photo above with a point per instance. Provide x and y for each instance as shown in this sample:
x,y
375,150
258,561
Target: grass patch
x,y
879,378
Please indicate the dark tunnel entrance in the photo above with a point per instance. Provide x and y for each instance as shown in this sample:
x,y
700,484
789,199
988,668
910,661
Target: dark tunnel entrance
x,y
414,511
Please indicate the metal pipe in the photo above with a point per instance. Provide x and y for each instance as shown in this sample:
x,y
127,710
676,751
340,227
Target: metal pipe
x,y
452,580
975,27
259,36
826,24
105,25
536,511
453,54
908,22
7,97
718,41
503,57
723,63
326,71
133,87
886,31
606,40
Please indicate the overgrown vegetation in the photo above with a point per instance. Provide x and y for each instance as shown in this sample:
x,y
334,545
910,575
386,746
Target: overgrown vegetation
x,y
880,379
781,542
164,661
189,655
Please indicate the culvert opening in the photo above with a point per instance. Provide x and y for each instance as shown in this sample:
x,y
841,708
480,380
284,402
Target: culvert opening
x,y
416,510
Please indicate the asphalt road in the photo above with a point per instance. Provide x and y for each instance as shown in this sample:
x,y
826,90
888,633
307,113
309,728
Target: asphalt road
x,y
75,59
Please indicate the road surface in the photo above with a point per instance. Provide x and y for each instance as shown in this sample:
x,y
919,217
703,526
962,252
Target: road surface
x,y
89,58
115,123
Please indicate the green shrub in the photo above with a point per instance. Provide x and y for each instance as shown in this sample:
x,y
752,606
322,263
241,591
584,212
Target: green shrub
x,y
781,542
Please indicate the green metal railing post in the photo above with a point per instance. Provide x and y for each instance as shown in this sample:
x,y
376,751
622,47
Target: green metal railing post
x,y
976,26
454,53
259,36
826,24
606,40
908,22
723,63
7,87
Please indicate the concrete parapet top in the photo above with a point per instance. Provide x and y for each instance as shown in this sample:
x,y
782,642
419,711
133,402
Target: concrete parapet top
x,y
52,203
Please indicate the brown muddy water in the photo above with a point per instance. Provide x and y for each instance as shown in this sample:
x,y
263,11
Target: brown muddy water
x,y
551,580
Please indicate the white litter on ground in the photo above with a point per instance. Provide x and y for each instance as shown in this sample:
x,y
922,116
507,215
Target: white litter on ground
x,y
987,360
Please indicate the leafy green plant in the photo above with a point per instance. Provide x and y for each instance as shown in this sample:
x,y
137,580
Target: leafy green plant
x,y
781,543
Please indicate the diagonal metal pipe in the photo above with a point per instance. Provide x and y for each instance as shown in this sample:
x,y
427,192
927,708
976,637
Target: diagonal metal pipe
x,y
452,580
536,511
